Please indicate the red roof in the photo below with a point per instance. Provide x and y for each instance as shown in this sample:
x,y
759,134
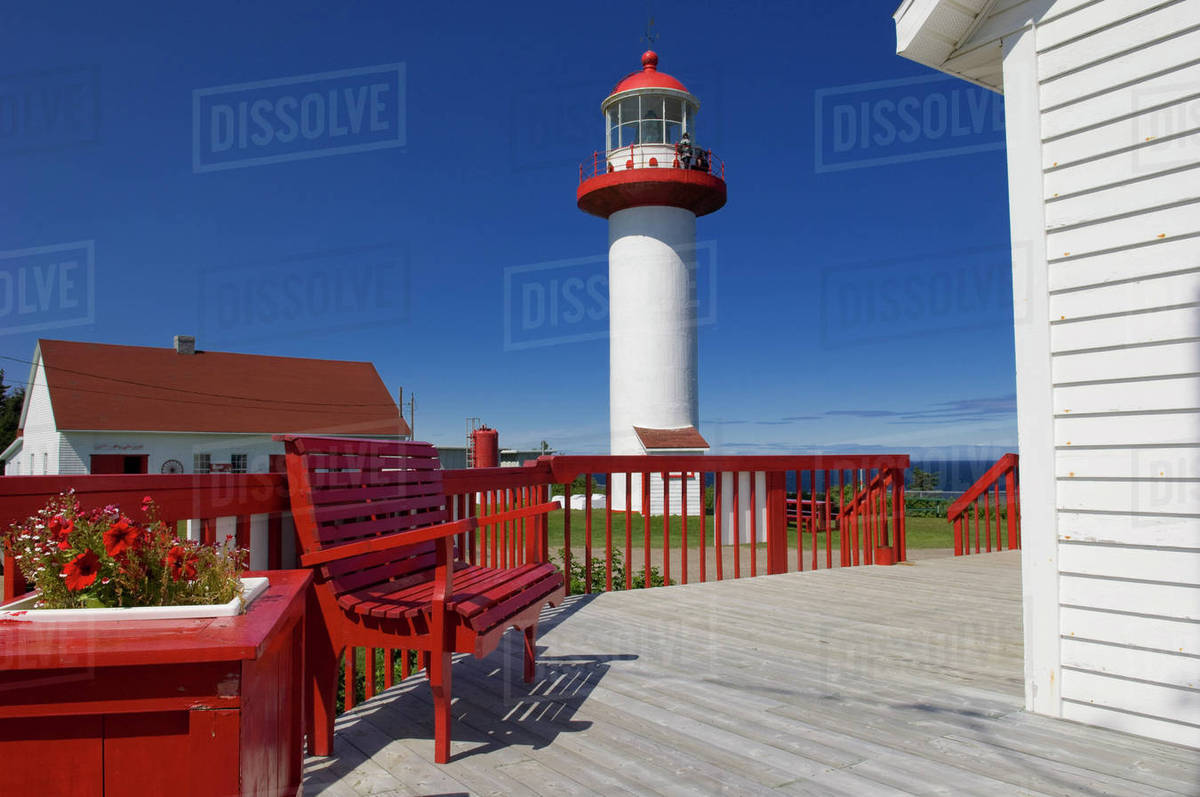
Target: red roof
x,y
684,437
97,386
649,77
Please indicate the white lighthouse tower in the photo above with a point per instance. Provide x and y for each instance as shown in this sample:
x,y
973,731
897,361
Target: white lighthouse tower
x,y
651,192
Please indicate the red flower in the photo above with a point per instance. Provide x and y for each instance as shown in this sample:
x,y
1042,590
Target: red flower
x,y
182,563
81,571
121,535
60,527
146,502
65,545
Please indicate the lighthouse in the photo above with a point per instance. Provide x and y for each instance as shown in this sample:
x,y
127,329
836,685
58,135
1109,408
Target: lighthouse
x,y
653,180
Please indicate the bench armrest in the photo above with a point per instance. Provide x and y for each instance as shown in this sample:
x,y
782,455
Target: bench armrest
x,y
388,541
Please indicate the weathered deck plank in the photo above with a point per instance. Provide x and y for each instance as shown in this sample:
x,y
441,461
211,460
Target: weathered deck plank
x,y
849,681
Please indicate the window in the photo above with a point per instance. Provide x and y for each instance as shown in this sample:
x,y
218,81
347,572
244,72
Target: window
x,y
45,463
237,463
201,463
647,119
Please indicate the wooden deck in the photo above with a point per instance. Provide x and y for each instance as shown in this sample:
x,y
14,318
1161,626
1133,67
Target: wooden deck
x,y
858,681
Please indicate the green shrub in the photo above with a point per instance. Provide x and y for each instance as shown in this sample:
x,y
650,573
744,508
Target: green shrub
x,y
579,574
360,673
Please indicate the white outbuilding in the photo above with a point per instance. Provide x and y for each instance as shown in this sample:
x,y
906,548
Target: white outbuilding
x,y
101,408
1102,118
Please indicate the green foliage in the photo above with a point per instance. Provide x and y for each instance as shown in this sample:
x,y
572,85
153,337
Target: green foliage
x,y
926,507
360,673
11,400
578,487
924,480
103,558
579,574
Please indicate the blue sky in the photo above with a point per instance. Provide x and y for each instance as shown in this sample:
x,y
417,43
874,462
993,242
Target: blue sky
x,y
855,289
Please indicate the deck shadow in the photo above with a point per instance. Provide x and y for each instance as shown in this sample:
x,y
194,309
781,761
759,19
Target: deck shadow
x,y
493,707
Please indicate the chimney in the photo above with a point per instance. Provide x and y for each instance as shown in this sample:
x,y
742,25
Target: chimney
x,y
185,344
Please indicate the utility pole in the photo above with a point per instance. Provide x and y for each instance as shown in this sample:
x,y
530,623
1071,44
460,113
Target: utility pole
x,y
412,409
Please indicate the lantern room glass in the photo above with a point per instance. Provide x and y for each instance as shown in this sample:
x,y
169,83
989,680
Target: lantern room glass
x,y
647,119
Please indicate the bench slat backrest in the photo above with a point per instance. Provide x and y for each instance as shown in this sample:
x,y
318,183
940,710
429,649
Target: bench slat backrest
x,y
345,490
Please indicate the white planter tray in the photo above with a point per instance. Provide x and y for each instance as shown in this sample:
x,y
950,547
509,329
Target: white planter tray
x,y
21,610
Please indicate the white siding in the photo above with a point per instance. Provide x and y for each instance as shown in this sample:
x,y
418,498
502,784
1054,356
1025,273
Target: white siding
x,y
39,449
695,497
1122,221
1103,129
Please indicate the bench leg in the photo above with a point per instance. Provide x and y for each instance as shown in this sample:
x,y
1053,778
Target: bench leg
x,y
439,683
530,653
321,661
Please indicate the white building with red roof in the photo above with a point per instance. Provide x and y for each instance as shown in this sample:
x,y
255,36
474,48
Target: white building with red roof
x,y
101,408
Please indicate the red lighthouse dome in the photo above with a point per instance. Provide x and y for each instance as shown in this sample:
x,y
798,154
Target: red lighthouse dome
x,y
652,153
648,77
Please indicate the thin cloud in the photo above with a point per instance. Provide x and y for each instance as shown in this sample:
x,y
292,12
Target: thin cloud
x,y
973,409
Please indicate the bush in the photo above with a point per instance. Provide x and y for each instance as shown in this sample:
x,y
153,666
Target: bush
x,y
360,673
579,574
926,507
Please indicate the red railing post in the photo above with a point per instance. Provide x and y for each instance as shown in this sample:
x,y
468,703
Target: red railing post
x,y
587,534
683,526
776,522
567,536
737,524
628,530
646,527
717,522
14,582
608,540
899,544
666,528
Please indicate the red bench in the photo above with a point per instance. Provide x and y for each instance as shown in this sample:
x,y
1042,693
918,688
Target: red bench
x,y
372,521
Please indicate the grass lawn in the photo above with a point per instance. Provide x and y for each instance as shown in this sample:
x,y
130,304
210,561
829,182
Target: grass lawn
x,y
922,532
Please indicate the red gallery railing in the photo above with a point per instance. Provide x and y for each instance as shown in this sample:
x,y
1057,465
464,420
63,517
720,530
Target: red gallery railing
x,y
633,153
720,517
965,512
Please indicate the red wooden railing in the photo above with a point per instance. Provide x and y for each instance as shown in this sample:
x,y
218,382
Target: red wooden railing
x,y
857,500
746,526
986,491
867,506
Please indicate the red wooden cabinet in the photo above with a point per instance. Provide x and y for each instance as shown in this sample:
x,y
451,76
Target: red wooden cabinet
x,y
180,707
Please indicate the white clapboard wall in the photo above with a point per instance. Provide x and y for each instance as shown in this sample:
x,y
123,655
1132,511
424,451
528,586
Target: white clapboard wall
x,y
1120,125
1103,114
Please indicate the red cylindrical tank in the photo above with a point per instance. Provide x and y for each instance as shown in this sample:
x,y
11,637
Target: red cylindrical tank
x,y
487,447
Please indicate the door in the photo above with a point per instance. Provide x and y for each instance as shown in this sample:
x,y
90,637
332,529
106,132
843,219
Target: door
x,y
119,463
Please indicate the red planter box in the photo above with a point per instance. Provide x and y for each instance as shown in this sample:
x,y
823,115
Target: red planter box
x,y
179,707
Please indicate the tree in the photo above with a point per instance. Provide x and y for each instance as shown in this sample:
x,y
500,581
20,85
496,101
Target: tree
x,y
11,400
924,480
545,446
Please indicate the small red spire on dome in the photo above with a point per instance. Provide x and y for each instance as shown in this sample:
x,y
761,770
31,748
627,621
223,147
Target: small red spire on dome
x,y
650,61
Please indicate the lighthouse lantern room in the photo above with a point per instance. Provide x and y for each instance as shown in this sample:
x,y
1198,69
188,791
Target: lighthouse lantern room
x,y
652,181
